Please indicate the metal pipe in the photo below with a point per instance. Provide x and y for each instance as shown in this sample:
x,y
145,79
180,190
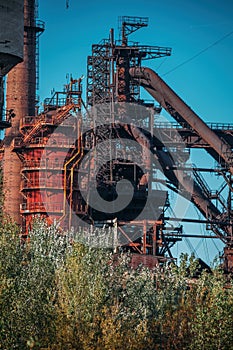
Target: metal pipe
x,y
199,221
21,92
175,235
179,110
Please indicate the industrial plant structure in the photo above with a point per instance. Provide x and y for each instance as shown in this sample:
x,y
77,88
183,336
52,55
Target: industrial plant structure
x,y
54,164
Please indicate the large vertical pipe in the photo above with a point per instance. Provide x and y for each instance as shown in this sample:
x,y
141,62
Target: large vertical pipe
x,y
21,81
21,95
174,105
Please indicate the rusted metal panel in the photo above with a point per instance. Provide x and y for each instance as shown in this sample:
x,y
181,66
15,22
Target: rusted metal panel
x,y
149,261
228,260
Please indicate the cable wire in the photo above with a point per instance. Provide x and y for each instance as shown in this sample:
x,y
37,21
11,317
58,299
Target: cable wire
x,y
199,53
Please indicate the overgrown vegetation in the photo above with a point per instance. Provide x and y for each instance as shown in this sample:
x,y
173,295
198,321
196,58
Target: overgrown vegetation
x,y
54,295
1,193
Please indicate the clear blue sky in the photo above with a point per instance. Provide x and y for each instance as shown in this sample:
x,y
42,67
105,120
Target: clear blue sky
x,y
188,27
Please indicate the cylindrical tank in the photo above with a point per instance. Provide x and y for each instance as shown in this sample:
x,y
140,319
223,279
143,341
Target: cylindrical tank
x,y
20,97
21,81
11,34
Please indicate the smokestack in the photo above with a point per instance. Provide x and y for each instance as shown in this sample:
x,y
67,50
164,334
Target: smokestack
x,y
21,97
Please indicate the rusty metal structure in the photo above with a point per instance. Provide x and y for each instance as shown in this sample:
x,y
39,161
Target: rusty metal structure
x,y
51,166
125,60
41,162
21,100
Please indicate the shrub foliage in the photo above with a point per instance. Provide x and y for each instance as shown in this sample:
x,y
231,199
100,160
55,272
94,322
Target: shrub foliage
x,y
58,295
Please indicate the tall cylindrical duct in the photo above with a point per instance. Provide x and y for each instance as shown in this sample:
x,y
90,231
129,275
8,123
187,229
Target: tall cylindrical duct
x,y
21,96
21,81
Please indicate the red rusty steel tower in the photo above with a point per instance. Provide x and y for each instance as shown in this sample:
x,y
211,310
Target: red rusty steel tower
x,y
41,184
21,98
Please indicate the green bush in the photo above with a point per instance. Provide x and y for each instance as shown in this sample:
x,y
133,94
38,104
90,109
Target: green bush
x,y
58,295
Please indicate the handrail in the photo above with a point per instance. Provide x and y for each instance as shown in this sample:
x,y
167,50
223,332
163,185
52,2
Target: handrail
x,y
39,122
41,206
174,125
39,183
42,164
42,141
